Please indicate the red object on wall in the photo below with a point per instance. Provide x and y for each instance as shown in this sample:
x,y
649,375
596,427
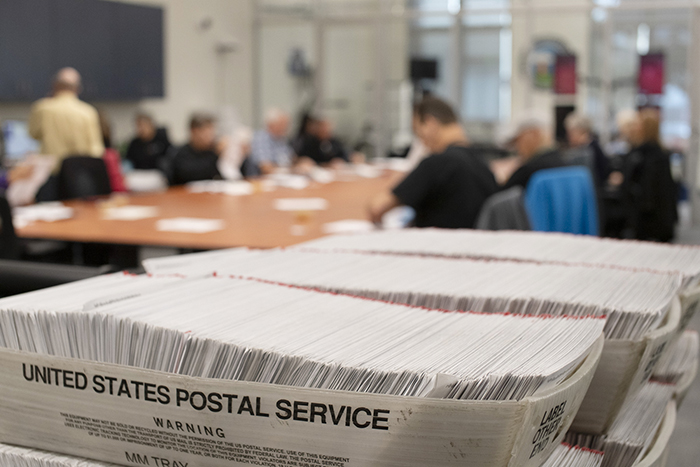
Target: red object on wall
x,y
651,74
565,74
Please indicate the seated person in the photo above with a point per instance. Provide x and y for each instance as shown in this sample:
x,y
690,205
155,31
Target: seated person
x,y
150,146
270,148
198,159
535,151
319,144
20,172
448,188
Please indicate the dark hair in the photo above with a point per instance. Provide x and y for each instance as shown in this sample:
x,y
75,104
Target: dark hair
x,y
436,108
650,121
200,120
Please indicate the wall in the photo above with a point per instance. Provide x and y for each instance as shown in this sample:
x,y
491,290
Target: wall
x,y
569,24
345,64
277,87
197,77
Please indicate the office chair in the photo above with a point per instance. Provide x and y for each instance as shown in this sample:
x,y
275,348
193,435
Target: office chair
x,y
10,247
26,276
562,200
83,177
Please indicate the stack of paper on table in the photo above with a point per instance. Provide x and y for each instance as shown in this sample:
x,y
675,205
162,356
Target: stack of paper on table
x,y
523,246
534,247
45,212
16,456
296,372
636,303
635,428
680,364
227,187
566,455
640,436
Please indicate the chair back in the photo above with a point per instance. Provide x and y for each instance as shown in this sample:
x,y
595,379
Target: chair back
x,y
9,243
83,177
562,200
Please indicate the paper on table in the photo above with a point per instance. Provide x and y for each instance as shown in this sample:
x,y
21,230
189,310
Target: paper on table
x,y
301,204
189,225
47,212
348,226
231,188
129,213
23,192
367,171
285,180
144,181
321,175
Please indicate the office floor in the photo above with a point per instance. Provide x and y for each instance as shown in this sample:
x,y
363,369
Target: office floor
x,y
685,442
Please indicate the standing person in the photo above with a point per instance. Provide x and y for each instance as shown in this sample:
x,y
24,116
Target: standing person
x,y
150,146
584,148
448,188
198,159
270,148
535,150
65,125
648,186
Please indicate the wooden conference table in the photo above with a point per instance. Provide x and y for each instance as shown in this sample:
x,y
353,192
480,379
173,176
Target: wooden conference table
x,y
249,220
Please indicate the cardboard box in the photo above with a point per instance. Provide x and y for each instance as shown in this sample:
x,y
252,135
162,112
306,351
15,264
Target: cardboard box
x,y
690,303
658,452
93,410
624,366
684,385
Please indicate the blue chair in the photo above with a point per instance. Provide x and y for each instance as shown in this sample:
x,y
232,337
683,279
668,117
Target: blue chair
x,y
562,200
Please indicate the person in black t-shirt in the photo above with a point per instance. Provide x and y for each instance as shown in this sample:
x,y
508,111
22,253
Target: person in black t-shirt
x,y
533,144
198,159
448,188
150,146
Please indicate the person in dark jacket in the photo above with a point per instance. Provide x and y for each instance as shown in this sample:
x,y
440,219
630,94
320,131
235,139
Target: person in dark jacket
x,y
198,159
319,144
534,148
649,189
150,146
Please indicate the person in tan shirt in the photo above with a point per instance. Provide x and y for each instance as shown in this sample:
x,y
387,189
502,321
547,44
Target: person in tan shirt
x,y
65,125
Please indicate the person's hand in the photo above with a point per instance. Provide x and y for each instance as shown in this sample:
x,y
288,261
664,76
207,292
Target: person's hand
x,y
380,205
20,172
374,211
222,145
616,178
358,158
267,168
337,163
304,165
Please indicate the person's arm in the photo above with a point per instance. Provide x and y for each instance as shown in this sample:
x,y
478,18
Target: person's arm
x,y
4,182
411,191
35,122
260,150
519,178
382,204
96,143
340,153
131,152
